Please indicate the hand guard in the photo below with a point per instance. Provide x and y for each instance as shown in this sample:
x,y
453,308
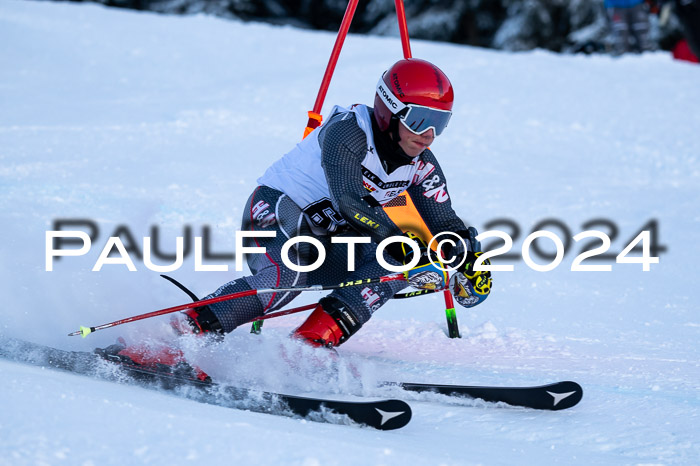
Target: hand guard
x,y
470,287
426,275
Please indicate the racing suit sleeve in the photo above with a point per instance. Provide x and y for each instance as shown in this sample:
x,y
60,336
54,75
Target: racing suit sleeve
x,y
343,148
432,200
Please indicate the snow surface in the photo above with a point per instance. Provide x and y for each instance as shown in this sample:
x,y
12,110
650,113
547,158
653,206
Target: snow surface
x,y
146,120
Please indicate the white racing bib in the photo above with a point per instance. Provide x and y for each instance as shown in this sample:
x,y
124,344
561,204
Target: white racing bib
x,y
300,176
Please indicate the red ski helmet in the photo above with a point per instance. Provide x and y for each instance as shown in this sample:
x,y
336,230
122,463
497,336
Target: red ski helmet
x,y
415,92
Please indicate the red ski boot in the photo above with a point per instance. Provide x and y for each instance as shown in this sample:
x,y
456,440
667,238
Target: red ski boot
x,y
329,325
162,359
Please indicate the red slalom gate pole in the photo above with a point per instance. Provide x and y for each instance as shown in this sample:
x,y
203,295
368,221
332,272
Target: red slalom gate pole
x,y
403,28
450,313
315,116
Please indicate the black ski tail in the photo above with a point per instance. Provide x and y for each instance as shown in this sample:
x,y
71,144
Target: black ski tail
x,y
384,414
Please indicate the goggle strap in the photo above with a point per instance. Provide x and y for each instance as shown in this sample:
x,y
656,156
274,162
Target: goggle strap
x,y
390,100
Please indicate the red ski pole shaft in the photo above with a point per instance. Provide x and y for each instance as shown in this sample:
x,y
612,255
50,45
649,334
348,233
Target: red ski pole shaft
x,y
85,331
306,307
286,312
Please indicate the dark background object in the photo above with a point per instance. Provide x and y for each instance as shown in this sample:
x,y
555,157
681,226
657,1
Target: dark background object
x,y
569,26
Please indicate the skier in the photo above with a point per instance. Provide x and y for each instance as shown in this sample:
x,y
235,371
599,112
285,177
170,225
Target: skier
x,y
333,184
629,17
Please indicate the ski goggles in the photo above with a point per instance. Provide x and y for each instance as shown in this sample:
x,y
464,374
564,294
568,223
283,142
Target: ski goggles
x,y
416,118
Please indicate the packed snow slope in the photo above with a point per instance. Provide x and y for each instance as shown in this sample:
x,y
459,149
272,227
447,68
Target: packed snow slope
x,y
141,122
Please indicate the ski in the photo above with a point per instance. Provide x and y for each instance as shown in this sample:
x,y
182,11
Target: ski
x,y
385,414
553,397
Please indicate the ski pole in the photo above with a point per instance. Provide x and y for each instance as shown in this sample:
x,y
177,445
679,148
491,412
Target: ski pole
x,y
286,312
257,323
85,331
306,307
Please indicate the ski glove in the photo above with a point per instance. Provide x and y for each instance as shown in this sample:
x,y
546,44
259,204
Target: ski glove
x,y
470,287
429,273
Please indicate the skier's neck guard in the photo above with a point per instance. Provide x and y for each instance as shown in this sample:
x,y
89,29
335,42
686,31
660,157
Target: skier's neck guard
x,y
387,144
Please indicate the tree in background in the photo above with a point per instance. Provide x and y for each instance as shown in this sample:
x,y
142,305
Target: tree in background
x,y
568,26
